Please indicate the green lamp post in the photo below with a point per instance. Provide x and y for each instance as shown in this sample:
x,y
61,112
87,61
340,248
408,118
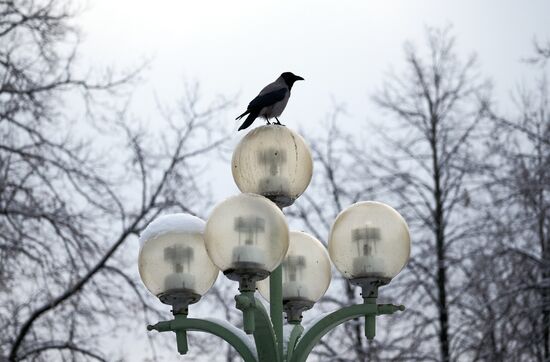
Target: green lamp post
x,y
247,238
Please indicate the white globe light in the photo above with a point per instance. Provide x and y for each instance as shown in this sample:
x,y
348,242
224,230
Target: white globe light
x,y
273,161
173,263
246,235
369,240
306,270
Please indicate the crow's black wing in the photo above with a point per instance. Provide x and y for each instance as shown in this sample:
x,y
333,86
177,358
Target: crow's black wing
x,y
267,99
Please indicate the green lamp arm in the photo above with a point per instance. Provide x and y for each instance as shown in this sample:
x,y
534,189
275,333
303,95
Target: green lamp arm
x,y
313,334
181,324
256,322
295,335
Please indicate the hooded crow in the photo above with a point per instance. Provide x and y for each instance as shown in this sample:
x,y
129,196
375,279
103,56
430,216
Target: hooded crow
x,y
271,101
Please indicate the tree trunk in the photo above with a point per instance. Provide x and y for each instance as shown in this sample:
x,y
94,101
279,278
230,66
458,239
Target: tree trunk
x,y
441,278
546,302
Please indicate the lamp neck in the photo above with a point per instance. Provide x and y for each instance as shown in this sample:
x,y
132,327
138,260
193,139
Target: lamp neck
x,y
180,310
247,285
369,286
294,310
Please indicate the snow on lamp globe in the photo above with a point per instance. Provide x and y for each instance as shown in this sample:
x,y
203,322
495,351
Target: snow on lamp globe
x,y
173,263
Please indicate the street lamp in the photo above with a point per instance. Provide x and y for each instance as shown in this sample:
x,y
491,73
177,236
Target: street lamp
x,y
247,238
369,244
306,275
274,162
173,263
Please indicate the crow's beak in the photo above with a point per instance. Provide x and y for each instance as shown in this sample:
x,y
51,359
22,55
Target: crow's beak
x,y
297,77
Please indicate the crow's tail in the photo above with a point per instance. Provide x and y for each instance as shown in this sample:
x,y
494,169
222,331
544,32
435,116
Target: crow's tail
x,y
242,115
248,121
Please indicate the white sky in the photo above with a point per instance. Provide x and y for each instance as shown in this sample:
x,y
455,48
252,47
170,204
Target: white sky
x,y
342,48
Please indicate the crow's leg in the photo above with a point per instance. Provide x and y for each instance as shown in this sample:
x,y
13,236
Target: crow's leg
x,y
279,123
267,120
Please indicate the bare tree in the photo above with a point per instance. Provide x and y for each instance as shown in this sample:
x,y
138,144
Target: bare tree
x,y
337,183
425,168
429,164
542,53
516,271
475,194
73,193
519,164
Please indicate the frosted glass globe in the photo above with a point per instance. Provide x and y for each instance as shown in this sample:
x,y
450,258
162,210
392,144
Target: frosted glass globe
x,y
246,233
306,270
369,240
273,161
173,259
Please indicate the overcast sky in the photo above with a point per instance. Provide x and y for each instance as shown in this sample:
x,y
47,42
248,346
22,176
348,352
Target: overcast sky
x,y
342,48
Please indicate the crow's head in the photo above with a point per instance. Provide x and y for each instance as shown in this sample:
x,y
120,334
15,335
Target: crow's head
x,y
290,78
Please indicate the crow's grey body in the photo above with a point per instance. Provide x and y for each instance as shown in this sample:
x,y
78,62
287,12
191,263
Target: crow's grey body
x,y
271,101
